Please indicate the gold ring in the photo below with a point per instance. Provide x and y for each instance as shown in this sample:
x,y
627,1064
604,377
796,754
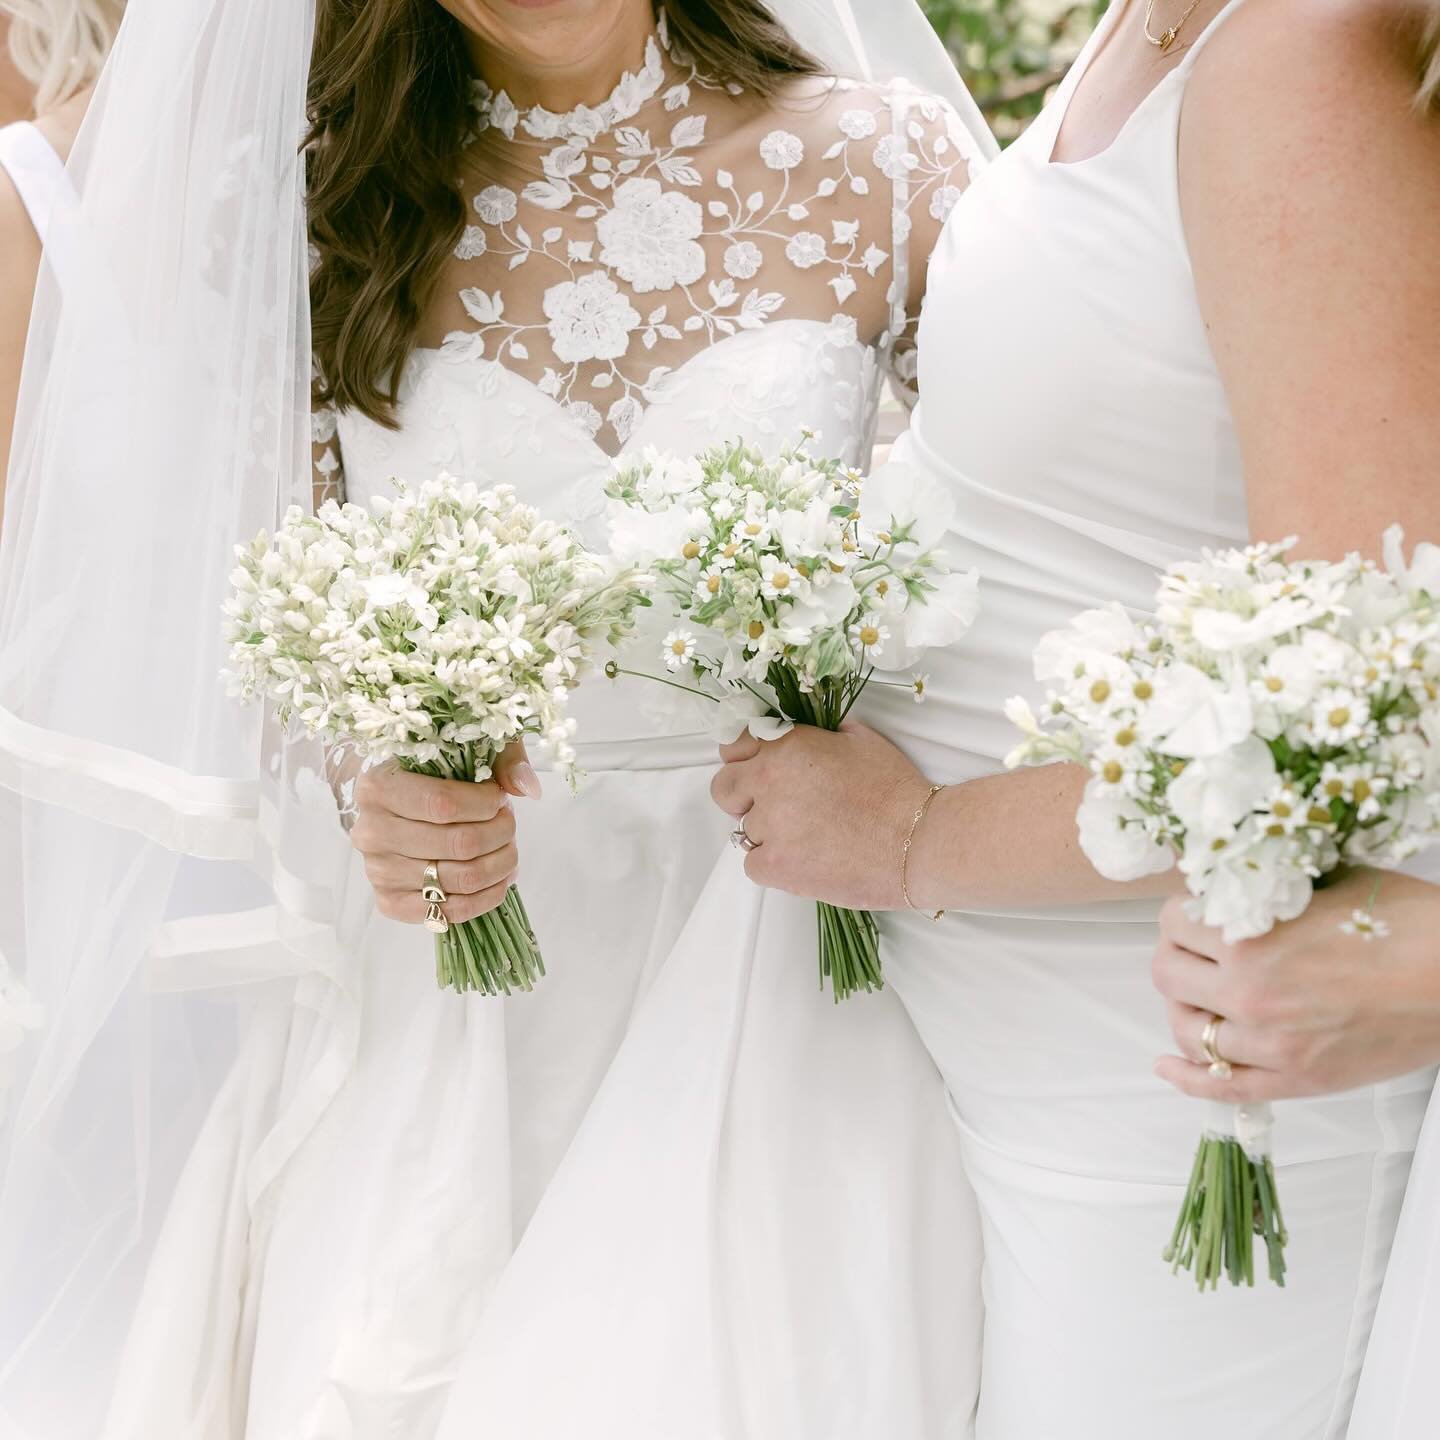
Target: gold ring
x,y
434,896
1220,1067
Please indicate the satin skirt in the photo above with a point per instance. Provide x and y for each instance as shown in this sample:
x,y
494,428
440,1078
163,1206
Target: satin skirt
x,y
675,1192
762,1230
1046,1030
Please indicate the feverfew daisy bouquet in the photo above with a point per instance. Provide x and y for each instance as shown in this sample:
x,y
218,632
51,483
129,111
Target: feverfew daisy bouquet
x,y
433,629
1277,722
793,580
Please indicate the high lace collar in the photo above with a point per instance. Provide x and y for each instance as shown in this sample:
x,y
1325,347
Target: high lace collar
x,y
636,89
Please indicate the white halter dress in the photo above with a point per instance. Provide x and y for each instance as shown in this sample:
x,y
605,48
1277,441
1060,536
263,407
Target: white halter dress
x,y
1070,398
36,171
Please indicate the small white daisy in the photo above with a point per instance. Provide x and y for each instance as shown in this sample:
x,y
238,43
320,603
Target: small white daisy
x,y
1367,926
678,650
870,632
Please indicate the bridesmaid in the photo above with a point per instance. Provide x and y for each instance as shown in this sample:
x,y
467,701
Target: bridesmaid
x,y
54,50
1193,304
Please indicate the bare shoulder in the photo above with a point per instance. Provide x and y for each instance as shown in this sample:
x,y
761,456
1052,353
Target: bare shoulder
x,y
1311,59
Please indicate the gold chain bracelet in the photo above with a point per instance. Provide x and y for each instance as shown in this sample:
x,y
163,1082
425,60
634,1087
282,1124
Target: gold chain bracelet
x,y
920,814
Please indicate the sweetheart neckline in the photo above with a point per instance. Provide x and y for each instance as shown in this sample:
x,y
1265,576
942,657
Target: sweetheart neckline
x,y
436,354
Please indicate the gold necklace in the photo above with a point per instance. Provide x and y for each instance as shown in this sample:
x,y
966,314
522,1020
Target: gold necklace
x,y
1163,41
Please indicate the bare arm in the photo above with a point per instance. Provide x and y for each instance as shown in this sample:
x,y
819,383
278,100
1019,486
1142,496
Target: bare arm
x,y
1312,211
21,251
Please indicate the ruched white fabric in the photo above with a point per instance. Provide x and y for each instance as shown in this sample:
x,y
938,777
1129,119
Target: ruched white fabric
x,y
1071,400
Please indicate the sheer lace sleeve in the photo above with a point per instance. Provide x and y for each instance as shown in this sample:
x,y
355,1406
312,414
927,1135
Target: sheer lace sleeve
x,y
328,474
929,157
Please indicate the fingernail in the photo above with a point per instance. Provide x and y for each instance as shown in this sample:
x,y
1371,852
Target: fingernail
x,y
525,780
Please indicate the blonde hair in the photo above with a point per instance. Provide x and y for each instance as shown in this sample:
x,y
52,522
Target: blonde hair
x,y
60,45
1430,64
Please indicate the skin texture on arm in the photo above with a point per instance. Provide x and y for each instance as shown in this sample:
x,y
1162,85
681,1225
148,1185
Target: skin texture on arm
x,y
1315,263
1311,191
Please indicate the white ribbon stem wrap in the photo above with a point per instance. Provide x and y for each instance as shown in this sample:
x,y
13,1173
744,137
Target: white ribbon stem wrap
x,y
1251,1125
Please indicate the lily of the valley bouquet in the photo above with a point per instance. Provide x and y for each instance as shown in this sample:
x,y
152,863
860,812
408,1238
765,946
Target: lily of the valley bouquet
x,y
433,629
793,580
1276,722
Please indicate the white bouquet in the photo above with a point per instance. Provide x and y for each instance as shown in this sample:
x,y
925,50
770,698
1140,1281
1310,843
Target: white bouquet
x,y
433,629
1276,722
793,580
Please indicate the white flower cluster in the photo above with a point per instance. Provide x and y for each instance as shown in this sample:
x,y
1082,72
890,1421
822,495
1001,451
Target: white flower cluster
x,y
1276,721
801,577
434,628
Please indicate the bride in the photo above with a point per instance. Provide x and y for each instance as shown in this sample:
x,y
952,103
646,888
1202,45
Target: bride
x,y
262,1179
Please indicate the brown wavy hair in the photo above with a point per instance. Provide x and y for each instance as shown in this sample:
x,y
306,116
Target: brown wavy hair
x,y
389,91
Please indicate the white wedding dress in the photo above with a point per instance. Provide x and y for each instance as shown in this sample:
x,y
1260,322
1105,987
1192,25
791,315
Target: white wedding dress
x,y
678,266
1085,432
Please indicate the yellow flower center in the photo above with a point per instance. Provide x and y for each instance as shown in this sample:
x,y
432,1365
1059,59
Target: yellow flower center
x,y
1100,691
1274,684
753,529
1144,690
712,584
883,589
1339,717
1113,772
1281,809
757,629
1125,737
1275,830
869,635
1319,815
677,647
1362,791
690,550
780,580
1334,788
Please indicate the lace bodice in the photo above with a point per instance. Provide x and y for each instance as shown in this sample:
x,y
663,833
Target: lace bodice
x,y
608,246
681,265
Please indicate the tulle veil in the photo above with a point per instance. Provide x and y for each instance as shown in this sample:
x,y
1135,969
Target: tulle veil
x,y
186,885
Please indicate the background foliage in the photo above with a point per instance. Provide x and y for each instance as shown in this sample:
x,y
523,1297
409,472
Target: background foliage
x,y
1013,51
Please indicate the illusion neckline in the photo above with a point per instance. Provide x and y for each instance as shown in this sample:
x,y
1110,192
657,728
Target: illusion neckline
x,y
633,91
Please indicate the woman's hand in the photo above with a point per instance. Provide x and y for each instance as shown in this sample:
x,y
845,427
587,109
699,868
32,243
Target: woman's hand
x,y
1307,1009
468,830
829,812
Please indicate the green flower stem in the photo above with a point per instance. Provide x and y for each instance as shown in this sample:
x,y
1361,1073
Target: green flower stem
x,y
1231,1198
